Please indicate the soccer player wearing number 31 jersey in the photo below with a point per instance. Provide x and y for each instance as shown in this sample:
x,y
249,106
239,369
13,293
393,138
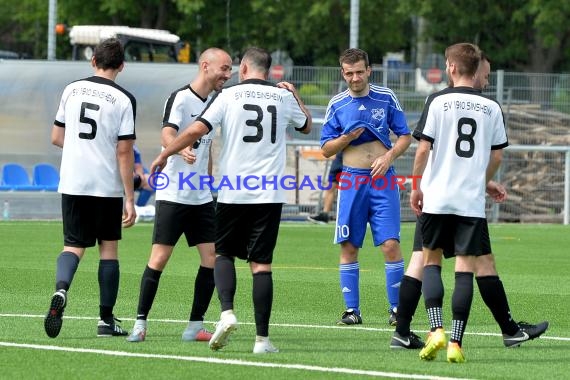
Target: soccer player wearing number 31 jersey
x,y
253,117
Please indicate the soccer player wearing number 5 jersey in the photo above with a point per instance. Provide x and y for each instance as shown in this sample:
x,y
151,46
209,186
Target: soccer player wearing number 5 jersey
x,y
465,132
253,117
95,126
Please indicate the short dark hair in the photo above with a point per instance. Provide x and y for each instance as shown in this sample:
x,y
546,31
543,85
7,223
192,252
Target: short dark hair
x,y
259,58
353,55
465,55
109,54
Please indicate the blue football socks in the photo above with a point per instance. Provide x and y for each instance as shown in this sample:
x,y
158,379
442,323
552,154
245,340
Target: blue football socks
x,y
349,278
394,274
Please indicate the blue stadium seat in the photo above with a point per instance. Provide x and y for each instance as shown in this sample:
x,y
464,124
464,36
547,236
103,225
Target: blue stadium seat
x,y
15,177
46,177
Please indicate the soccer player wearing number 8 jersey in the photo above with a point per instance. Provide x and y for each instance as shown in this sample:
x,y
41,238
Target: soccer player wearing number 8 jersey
x,y
465,132
95,126
487,277
253,117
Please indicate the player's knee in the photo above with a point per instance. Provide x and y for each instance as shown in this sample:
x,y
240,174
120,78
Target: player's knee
x,y
391,250
208,261
348,253
415,267
259,267
207,253
158,260
485,266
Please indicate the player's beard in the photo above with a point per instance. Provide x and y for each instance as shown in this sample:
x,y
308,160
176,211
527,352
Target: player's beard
x,y
358,88
219,85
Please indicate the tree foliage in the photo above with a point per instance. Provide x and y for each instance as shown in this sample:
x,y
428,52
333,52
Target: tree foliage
x,y
23,25
528,35
523,35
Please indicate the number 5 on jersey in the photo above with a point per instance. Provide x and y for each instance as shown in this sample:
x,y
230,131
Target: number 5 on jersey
x,y
88,120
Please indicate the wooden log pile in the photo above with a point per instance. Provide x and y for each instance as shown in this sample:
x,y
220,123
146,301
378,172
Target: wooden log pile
x,y
534,180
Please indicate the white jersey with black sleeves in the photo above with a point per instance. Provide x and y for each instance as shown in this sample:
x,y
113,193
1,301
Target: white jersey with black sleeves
x,y
463,126
253,117
187,183
96,113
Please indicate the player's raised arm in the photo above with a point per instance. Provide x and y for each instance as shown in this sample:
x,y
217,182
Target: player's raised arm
x,y
309,124
187,138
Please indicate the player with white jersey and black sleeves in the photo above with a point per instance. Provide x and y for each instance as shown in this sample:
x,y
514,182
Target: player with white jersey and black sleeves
x,y
490,285
465,132
253,117
468,111
95,126
185,207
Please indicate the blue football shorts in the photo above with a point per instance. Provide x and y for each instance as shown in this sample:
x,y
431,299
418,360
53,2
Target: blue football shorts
x,y
364,200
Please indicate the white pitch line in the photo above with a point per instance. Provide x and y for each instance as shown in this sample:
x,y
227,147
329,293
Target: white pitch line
x,y
246,363
293,325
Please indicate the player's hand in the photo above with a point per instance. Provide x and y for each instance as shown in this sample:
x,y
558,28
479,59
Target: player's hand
x,y
145,185
157,165
354,134
496,191
188,155
417,201
287,86
129,214
381,165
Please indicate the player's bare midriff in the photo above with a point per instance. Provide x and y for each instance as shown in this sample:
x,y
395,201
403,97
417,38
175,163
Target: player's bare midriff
x,y
363,155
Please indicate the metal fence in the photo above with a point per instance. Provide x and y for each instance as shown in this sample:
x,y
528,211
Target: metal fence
x,y
548,91
536,108
536,167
